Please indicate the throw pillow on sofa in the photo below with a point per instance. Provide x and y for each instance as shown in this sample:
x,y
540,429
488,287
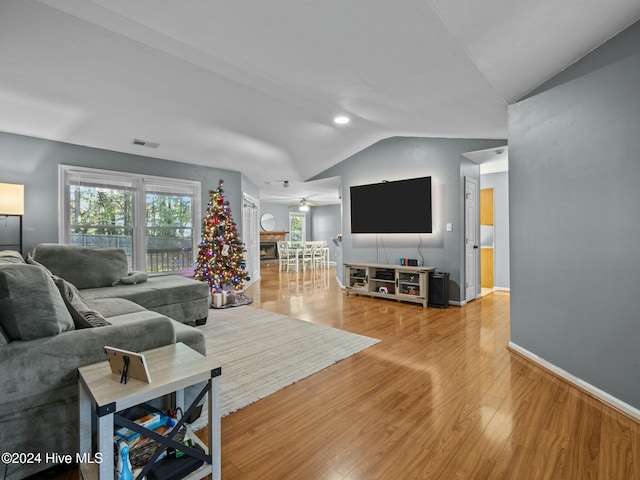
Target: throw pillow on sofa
x,y
10,256
133,278
30,304
83,315
29,259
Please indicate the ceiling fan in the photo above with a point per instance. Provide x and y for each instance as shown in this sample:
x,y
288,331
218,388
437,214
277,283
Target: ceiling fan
x,y
303,205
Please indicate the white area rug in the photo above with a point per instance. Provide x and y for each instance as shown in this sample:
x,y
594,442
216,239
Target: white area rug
x,y
262,352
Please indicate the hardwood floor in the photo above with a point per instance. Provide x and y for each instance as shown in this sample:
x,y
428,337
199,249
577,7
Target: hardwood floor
x,y
440,397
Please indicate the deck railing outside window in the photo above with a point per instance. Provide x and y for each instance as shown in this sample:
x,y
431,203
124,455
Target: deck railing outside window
x,y
164,256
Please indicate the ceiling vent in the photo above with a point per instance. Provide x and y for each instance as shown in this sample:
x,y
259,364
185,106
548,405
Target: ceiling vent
x,y
143,143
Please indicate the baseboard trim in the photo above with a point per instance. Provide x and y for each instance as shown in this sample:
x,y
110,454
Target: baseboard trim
x,y
502,289
457,304
585,387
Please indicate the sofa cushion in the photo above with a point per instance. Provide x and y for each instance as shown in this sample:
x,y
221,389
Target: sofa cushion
x,y
82,266
190,336
30,304
112,307
158,291
83,315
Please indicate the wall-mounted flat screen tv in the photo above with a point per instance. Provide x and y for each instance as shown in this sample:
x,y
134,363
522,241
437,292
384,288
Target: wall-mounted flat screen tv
x,y
402,206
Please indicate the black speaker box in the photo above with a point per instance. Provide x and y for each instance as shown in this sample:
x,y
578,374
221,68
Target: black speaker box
x,y
438,289
175,468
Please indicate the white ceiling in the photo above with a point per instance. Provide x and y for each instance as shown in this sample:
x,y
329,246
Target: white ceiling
x,y
253,86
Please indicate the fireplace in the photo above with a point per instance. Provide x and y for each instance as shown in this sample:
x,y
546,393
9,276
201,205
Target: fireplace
x,y
269,244
268,250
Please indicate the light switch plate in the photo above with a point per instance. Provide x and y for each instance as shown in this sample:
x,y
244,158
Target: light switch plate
x,y
449,227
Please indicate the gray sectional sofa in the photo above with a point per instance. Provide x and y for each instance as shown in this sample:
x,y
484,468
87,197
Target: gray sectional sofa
x,y
49,328
104,273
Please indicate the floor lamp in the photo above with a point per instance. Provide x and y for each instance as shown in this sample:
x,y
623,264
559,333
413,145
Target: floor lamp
x,y
12,203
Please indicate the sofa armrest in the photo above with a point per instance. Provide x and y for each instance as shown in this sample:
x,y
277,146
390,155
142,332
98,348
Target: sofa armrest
x,y
35,367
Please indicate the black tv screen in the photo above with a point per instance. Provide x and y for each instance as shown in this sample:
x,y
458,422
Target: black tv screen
x,y
403,206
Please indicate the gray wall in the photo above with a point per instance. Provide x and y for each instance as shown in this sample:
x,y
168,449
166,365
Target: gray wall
x,y
500,184
34,162
574,176
401,158
280,212
326,224
323,223
9,230
250,189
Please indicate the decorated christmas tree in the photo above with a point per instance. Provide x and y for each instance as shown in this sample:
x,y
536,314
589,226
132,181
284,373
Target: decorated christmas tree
x,y
220,260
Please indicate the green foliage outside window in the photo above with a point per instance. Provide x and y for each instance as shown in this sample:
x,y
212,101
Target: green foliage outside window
x,y
168,211
104,217
296,228
106,208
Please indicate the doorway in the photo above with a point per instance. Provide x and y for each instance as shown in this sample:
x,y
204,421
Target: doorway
x,y
494,174
487,268
251,237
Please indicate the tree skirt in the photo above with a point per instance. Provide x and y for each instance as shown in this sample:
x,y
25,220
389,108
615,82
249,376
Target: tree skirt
x,y
240,300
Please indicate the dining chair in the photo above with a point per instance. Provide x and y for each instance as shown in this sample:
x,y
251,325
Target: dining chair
x,y
318,255
307,255
287,257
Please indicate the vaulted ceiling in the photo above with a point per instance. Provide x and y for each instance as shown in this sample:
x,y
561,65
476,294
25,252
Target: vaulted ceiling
x,y
254,86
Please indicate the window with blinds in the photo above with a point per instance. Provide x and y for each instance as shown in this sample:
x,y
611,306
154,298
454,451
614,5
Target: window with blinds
x,y
154,219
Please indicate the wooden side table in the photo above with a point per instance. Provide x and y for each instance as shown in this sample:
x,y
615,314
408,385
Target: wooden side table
x,y
172,368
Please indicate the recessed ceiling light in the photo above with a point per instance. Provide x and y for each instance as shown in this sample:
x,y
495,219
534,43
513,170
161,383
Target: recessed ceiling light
x,y
341,120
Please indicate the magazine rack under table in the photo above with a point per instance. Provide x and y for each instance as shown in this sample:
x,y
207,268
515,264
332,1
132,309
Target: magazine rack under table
x,y
172,368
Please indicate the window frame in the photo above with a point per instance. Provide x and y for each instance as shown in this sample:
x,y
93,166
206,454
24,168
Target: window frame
x,y
141,185
303,232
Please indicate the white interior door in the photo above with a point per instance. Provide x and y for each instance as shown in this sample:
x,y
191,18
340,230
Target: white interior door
x,y
471,238
251,237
